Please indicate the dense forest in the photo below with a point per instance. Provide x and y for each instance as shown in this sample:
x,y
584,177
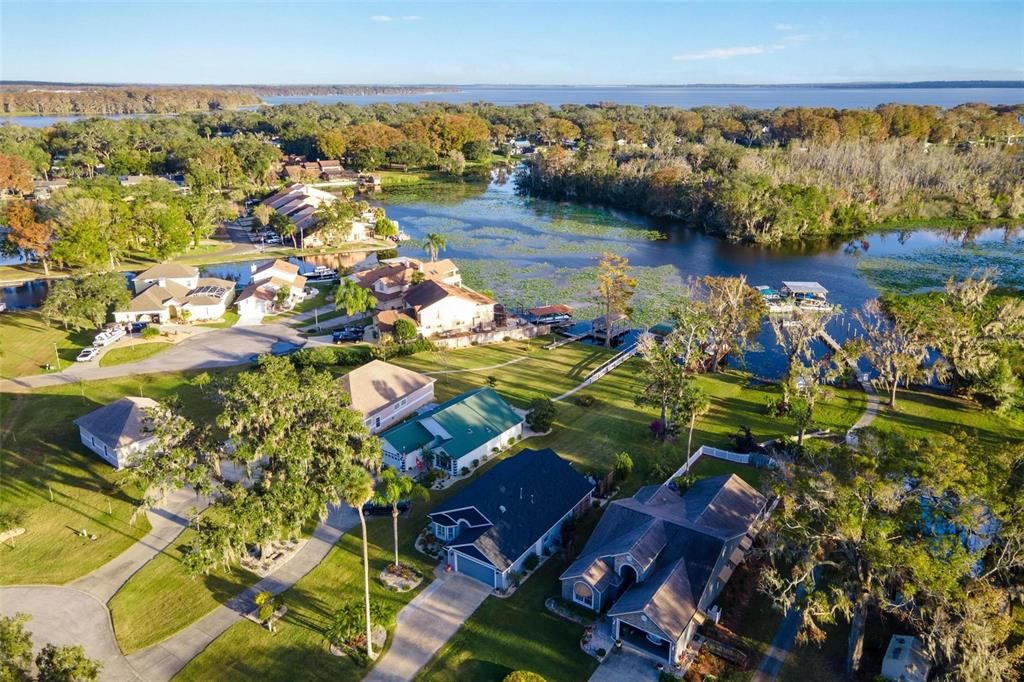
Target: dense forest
x,y
752,175
128,100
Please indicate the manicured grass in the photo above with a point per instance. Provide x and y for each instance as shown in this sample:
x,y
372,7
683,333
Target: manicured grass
x,y
246,651
229,319
134,353
163,587
923,414
26,344
517,633
42,453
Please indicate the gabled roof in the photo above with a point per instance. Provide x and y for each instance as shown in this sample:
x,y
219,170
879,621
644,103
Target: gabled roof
x,y
257,291
429,292
523,497
470,419
279,265
120,423
169,271
378,384
805,288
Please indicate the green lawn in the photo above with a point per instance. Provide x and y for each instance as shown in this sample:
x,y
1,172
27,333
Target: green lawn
x,y
924,414
133,353
26,344
42,453
163,587
229,319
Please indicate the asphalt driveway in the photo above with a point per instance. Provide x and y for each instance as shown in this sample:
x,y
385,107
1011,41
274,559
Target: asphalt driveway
x,y
207,349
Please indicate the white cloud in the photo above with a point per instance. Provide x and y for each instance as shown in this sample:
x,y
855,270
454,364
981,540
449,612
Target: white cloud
x,y
412,17
784,27
727,52
382,18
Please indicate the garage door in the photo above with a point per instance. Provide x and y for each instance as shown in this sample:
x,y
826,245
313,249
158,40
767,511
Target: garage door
x,y
474,569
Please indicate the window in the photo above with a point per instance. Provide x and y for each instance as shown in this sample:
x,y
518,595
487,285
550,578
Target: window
x,y
582,593
376,422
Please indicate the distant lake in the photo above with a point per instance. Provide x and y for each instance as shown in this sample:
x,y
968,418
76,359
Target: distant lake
x,y
686,96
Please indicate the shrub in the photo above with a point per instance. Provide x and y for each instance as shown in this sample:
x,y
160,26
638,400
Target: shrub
x,y
531,562
523,676
150,332
492,380
476,463
586,400
601,653
465,470
541,414
623,466
320,356
405,330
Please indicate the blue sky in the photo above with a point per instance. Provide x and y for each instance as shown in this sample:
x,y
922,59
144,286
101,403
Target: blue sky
x,y
513,42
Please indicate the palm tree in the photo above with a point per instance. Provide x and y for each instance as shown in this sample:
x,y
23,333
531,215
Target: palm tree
x,y
353,298
693,402
433,244
393,488
357,490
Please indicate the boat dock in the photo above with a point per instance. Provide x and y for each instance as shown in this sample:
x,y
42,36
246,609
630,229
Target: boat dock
x,y
796,296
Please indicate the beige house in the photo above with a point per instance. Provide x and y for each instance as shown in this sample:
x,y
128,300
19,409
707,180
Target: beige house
x,y
385,394
259,297
440,308
299,203
172,290
118,431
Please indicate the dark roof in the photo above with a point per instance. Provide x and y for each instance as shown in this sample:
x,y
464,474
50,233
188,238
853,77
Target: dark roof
x,y
683,535
429,291
523,497
120,423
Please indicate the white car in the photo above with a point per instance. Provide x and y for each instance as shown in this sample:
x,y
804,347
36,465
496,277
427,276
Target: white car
x,y
108,337
88,354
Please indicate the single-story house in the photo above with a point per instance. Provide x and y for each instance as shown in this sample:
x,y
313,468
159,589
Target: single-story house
x,y
171,290
466,429
905,660
514,511
386,394
119,430
656,561
259,297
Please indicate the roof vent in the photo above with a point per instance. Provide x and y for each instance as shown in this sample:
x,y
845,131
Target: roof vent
x,y
501,508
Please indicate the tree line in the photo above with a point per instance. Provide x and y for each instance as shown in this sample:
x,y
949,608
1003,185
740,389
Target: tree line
x,y
133,100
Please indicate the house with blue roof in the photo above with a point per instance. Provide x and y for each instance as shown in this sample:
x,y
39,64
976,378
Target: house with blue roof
x,y
657,561
514,511
459,433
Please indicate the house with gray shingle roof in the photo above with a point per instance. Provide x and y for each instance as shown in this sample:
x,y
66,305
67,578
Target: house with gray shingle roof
x,y
171,290
119,430
514,511
657,561
466,429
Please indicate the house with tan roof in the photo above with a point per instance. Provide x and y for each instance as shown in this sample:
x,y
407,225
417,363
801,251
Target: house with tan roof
x,y
657,561
171,290
118,431
299,203
386,394
259,297
394,276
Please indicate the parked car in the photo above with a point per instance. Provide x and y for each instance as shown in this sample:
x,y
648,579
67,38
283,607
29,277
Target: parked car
x,y
137,327
108,337
88,354
347,334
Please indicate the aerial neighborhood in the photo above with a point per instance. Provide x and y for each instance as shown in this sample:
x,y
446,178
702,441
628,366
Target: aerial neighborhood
x,y
492,383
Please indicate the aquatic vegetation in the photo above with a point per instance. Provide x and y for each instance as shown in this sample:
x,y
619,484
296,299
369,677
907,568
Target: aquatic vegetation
x,y
930,267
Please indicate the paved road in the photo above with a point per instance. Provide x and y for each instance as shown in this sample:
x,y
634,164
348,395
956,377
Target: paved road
x,y
208,349
65,616
164,660
168,521
426,623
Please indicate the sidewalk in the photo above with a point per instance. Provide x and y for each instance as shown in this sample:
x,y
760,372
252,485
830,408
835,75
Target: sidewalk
x,y
164,660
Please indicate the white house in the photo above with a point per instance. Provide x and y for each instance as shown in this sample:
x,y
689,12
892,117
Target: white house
x,y
299,203
395,276
386,394
172,290
437,308
259,297
460,433
119,430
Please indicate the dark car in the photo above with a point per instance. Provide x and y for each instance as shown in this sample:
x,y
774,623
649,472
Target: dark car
x,y
347,334
138,327
370,509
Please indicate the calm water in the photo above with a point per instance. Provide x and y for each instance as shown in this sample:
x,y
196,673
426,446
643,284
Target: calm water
x,y
766,97
532,252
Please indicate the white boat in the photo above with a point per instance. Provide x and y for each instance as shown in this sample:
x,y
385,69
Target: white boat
x,y
795,296
321,273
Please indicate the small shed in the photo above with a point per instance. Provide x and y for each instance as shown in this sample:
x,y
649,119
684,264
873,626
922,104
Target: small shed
x,y
905,660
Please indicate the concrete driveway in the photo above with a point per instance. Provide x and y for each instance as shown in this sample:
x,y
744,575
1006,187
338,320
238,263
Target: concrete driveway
x,y
625,664
65,616
211,348
426,623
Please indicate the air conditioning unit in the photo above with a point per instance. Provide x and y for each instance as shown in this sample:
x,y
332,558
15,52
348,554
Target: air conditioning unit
x,y
715,613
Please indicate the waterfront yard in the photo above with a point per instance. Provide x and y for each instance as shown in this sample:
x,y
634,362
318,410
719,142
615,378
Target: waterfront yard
x,y
42,457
